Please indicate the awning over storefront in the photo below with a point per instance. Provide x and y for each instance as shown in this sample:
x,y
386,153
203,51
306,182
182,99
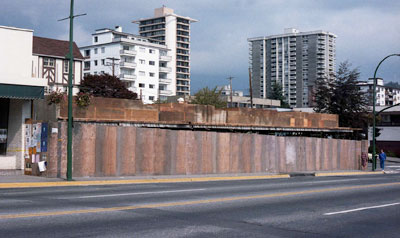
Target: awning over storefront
x,y
21,91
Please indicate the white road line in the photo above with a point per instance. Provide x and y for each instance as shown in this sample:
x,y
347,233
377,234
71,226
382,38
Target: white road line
x,y
141,193
362,208
393,166
330,181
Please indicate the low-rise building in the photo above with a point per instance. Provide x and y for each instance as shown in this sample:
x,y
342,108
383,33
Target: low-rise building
x,y
389,125
142,63
18,89
242,101
50,62
226,90
30,66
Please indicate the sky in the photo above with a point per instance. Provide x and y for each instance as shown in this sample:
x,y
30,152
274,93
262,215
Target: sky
x,y
367,30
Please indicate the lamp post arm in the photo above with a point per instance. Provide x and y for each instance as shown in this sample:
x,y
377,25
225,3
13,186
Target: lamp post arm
x,y
395,105
374,113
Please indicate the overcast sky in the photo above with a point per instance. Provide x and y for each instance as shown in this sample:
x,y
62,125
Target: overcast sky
x,y
367,30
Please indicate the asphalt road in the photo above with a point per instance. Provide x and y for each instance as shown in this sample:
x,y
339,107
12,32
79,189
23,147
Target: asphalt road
x,y
351,206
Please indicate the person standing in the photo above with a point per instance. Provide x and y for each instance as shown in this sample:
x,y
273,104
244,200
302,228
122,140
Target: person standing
x,y
382,158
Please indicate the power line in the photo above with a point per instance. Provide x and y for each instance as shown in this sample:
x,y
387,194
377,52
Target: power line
x,y
113,59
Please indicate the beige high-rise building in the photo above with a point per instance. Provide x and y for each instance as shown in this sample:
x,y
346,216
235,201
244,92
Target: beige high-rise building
x,y
173,31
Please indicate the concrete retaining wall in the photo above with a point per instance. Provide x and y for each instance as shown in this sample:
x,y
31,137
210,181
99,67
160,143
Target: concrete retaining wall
x,y
123,110
102,150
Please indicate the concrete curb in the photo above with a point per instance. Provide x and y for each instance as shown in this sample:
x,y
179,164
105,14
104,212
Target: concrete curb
x,y
176,180
135,181
347,173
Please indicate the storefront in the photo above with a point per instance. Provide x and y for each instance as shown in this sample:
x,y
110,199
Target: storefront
x,y
16,106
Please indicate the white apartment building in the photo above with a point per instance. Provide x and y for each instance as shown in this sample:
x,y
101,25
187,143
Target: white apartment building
x,y
173,31
140,62
385,96
295,60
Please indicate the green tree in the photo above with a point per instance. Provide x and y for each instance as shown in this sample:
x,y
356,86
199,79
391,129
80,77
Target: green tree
x,y
206,96
277,94
107,86
344,97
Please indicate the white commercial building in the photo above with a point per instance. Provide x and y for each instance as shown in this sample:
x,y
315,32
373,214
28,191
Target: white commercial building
x,y
295,60
140,62
173,31
17,90
29,66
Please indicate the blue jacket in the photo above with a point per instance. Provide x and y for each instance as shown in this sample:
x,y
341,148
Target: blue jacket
x,y
382,156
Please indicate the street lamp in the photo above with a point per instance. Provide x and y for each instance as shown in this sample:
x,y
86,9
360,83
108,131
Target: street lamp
x,y
374,114
70,68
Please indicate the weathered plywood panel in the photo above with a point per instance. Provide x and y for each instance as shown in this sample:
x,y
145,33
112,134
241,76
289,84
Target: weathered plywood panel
x,y
126,152
180,162
101,150
223,152
84,148
245,154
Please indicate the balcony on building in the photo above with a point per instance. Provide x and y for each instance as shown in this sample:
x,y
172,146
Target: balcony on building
x,y
129,52
165,58
163,69
128,65
165,80
127,77
165,92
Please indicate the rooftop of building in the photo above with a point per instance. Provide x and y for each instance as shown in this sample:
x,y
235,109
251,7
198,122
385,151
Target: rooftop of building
x,y
15,28
163,12
118,31
379,83
52,47
292,32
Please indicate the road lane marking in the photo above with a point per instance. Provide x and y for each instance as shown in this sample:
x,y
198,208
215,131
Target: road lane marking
x,y
361,209
138,193
194,202
330,181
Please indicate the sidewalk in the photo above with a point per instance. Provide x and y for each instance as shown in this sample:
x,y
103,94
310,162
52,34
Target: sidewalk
x,y
393,159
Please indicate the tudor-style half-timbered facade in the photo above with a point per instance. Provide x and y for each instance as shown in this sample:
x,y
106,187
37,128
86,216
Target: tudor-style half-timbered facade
x,y
50,62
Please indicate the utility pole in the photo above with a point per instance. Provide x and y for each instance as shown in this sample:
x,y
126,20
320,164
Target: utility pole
x,y
112,64
251,88
230,85
71,61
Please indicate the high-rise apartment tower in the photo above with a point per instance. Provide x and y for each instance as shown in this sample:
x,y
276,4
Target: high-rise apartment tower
x,y
295,60
173,31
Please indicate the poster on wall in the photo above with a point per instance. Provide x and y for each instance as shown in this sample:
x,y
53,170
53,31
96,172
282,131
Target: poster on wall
x,y
36,136
43,140
27,138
